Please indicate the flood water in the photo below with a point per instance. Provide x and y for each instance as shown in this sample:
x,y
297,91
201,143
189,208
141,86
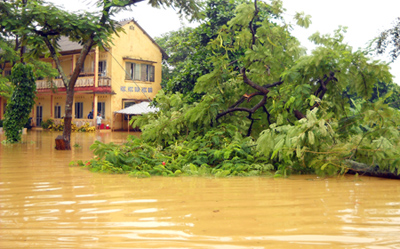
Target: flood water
x,y
44,203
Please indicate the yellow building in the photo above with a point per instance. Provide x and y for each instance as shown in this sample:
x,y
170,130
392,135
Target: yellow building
x,y
105,83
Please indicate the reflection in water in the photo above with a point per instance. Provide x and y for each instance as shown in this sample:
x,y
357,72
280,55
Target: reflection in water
x,y
44,203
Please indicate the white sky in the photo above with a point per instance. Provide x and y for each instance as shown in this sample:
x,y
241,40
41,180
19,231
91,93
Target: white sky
x,y
365,19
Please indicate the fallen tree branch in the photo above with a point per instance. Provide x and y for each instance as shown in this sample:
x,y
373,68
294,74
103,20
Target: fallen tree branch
x,y
243,109
320,92
367,170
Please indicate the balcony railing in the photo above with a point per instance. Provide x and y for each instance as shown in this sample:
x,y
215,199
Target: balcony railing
x,y
104,81
81,82
84,82
44,84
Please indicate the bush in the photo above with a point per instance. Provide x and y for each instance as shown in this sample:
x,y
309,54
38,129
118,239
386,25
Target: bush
x,y
47,123
19,106
28,124
1,123
50,125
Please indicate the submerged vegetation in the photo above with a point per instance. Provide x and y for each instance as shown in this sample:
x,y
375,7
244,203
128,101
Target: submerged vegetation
x,y
51,126
263,105
221,152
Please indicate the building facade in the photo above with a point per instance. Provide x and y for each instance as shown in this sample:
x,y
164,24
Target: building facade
x,y
127,73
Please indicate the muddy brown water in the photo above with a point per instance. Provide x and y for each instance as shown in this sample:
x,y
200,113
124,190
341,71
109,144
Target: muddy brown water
x,y
45,203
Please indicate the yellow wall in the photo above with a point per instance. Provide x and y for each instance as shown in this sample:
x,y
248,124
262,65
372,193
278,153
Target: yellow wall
x,y
136,45
45,102
133,44
59,100
87,100
66,64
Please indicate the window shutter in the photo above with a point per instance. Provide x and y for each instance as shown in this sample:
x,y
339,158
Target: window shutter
x,y
151,69
144,72
137,71
128,71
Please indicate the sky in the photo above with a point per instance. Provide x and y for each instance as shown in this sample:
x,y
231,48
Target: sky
x,y
365,19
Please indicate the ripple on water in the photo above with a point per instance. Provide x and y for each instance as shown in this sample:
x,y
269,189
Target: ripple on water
x,y
44,203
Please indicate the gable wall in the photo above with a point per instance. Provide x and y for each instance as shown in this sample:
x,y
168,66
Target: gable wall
x,y
137,46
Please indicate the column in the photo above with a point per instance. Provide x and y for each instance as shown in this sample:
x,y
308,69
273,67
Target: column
x,y
96,66
51,107
95,100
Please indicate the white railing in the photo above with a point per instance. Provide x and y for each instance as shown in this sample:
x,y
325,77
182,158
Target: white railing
x,y
104,81
84,81
81,82
44,84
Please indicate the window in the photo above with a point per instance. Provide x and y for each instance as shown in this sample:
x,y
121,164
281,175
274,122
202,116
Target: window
x,y
142,72
102,68
79,110
147,73
101,108
130,103
57,111
132,71
7,73
137,72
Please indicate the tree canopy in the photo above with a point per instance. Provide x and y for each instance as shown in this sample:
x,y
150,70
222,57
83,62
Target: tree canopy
x,y
264,105
188,48
40,26
389,40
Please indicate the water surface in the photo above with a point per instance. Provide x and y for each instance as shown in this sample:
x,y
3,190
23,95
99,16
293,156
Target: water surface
x,y
44,203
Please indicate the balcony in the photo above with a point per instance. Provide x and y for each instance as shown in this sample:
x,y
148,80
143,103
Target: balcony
x,y
44,84
86,81
104,81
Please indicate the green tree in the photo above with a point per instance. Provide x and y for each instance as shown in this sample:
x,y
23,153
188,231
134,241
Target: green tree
x,y
389,40
187,48
380,90
178,47
43,24
22,101
265,102
7,55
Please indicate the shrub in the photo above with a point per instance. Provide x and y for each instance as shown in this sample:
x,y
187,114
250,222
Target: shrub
x,y
47,123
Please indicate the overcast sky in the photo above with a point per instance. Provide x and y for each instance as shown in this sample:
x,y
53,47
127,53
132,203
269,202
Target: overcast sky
x,y
365,19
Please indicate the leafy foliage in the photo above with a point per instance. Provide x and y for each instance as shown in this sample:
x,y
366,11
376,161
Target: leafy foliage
x,y
188,49
221,152
50,125
21,102
390,90
41,26
265,105
389,40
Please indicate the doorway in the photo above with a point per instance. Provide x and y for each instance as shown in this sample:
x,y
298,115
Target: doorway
x,y
39,115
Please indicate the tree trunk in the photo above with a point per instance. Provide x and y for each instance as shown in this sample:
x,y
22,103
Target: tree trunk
x,y
66,137
367,170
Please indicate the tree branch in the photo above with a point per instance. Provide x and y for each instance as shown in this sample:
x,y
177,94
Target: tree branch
x,y
268,114
84,52
320,93
253,32
251,83
53,55
252,110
